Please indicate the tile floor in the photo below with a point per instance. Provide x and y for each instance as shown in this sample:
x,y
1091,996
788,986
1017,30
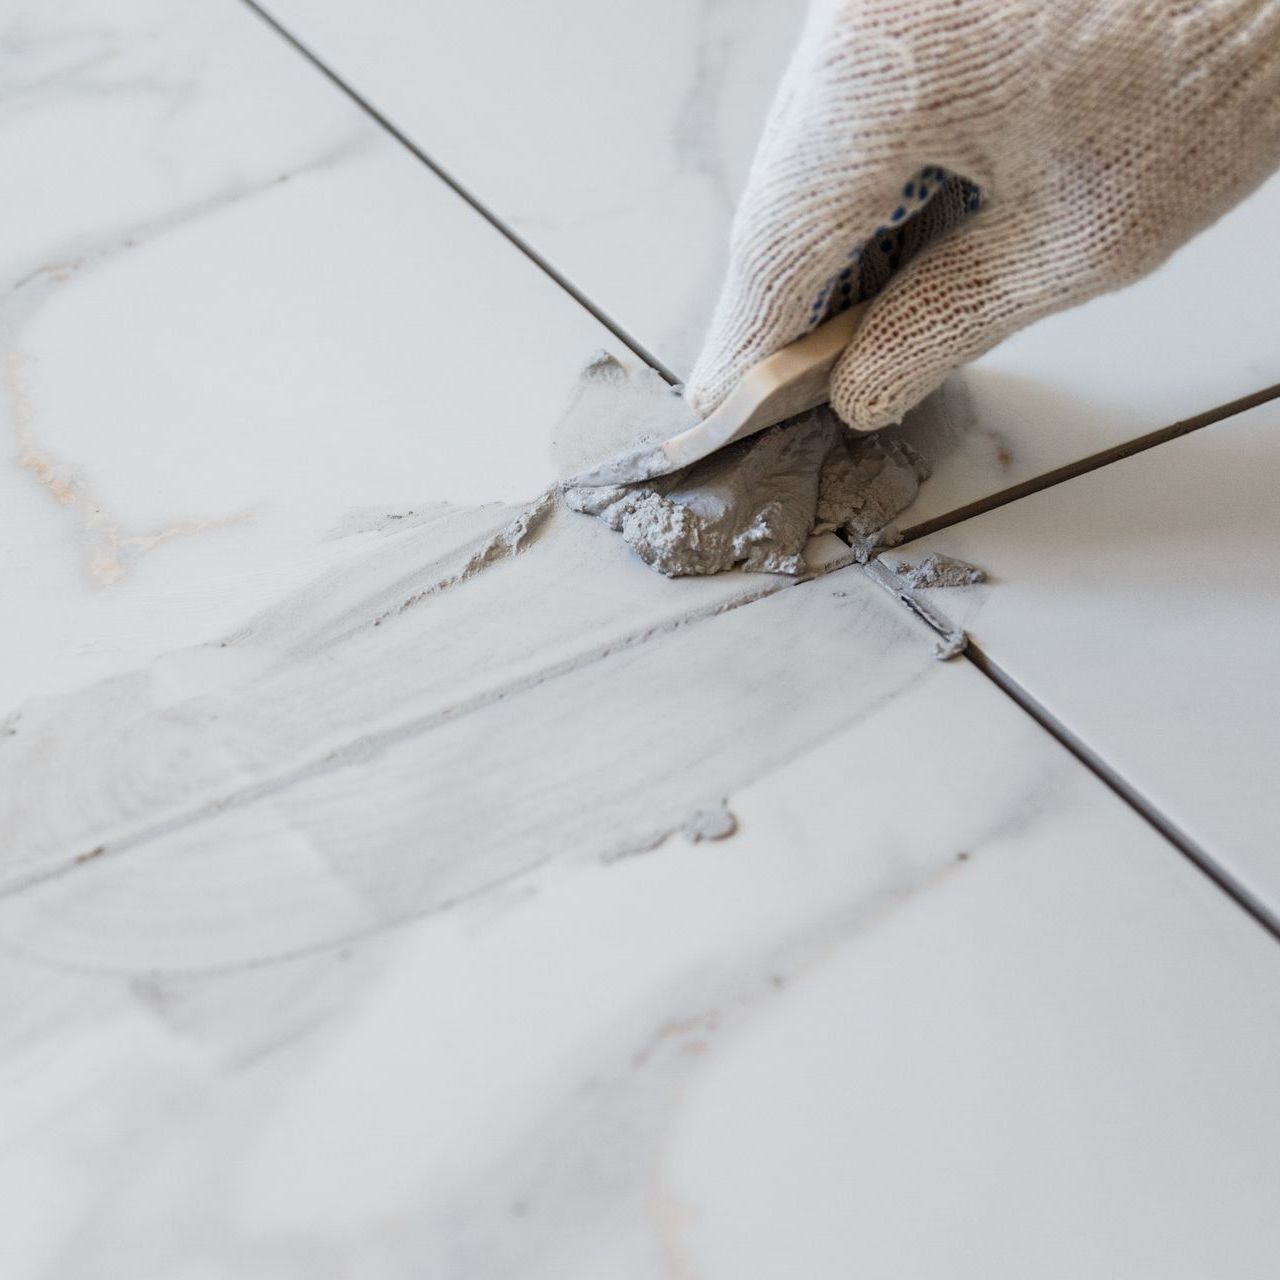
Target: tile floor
x,y
635,130
350,929
1140,604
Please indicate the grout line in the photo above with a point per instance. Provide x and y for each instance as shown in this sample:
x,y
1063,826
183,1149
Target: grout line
x,y
1197,856
1012,494
1093,462
952,639
459,190
366,746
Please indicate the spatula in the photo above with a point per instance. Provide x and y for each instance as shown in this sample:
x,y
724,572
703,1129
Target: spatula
x,y
773,389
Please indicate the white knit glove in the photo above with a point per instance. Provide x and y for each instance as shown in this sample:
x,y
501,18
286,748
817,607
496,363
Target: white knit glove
x,y
991,160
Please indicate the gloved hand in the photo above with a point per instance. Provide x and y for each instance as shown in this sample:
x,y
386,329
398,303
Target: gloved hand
x,y
978,164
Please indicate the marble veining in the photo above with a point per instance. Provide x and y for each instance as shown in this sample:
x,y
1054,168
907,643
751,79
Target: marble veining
x,y
626,176
533,1078
92,214
205,223
348,924
1136,603
108,547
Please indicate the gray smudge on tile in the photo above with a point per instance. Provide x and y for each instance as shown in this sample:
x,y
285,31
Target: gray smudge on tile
x,y
936,570
716,823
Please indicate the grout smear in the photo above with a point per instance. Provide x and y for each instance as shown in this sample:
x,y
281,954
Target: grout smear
x,y
716,823
937,570
509,541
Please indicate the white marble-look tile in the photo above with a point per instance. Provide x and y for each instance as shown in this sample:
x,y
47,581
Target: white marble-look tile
x,y
928,1005
615,139
232,311
1195,335
1139,604
401,747
322,954
1056,1061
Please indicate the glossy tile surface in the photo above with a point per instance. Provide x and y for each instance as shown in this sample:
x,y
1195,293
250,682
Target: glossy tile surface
x,y
1194,335
621,167
234,312
1139,604
352,918
634,130
836,1038
999,1077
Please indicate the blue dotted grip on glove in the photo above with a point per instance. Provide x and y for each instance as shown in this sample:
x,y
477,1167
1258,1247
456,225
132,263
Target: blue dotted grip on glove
x,y
934,202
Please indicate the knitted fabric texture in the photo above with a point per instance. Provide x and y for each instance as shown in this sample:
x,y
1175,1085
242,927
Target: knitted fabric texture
x,y
975,165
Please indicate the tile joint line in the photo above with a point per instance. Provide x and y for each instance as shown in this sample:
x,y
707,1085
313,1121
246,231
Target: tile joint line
x,y
1095,461
459,190
1200,858
1188,848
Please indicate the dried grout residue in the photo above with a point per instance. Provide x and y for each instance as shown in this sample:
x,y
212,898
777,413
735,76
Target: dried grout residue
x,y
716,823
756,503
936,570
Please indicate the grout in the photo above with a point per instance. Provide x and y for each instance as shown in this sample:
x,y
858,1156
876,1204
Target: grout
x,y
1140,444
956,516
458,189
1190,850
1200,858
367,746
